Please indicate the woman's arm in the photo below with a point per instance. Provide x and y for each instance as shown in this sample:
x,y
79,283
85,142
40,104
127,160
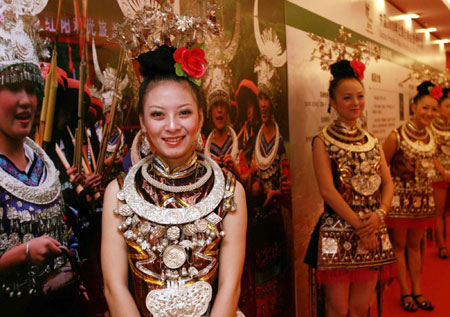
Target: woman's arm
x,y
114,259
387,191
390,147
40,251
232,255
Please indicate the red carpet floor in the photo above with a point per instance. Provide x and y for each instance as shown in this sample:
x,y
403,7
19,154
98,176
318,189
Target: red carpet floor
x,y
435,286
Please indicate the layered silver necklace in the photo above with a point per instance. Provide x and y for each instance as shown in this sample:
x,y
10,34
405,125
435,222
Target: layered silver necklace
x,y
44,193
161,215
264,162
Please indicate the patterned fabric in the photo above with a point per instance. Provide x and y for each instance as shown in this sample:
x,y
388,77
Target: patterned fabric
x,y
441,130
413,173
31,178
224,149
267,272
149,269
23,221
356,175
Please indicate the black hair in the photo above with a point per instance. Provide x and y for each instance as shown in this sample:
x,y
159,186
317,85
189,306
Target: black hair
x,y
423,90
445,94
340,70
157,66
246,97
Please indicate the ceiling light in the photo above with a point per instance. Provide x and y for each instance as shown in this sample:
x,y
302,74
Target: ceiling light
x,y
404,17
443,41
447,3
426,30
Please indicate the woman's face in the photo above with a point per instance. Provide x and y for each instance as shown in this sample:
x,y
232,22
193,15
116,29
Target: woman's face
x,y
425,110
250,112
171,119
264,107
444,108
18,103
349,100
219,115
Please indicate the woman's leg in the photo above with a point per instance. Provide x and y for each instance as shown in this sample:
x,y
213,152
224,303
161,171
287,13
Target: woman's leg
x,y
336,299
440,198
360,296
398,240
414,257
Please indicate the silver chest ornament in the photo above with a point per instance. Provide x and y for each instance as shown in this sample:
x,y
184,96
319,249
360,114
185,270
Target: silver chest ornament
x,y
177,230
180,300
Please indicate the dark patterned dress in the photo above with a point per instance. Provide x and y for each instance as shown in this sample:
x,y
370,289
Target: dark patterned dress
x,y
335,249
441,129
267,274
31,205
174,238
413,172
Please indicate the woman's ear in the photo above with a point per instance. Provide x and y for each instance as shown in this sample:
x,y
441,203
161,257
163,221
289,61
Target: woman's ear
x,y
332,103
200,115
141,121
414,107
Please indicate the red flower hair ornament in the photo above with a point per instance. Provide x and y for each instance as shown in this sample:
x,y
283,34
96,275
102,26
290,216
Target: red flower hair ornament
x,y
190,63
436,92
358,68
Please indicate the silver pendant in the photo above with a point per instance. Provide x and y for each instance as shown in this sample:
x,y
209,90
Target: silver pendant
x,y
179,300
174,256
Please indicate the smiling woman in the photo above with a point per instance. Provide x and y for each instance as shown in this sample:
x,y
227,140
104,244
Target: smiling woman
x,y
32,228
350,247
411,152
179,218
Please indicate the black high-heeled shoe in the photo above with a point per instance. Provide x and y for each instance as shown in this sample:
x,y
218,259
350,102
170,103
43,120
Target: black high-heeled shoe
x,y
443,253
425,304
408,306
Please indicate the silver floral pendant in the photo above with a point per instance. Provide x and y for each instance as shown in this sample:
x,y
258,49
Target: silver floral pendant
x,y
179,300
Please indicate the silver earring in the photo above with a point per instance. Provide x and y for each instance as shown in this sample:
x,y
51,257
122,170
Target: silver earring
x,y
198,143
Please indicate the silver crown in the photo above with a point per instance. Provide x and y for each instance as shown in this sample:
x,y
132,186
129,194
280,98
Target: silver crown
x,y
149,24
108,79
219,52
271,57
20,42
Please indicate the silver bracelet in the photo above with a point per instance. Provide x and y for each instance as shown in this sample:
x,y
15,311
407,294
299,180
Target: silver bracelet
x,y
27,252
381,213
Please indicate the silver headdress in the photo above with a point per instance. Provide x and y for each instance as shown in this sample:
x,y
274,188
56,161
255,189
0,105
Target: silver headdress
x,y
341,48
219,52
149,24
271,56
108,79
420,73
20,41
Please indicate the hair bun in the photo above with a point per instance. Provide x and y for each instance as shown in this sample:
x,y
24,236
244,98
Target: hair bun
x,y
423,88
342,69
445,92
157,62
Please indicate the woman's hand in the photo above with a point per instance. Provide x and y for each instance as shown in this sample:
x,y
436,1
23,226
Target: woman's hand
x,y
43,249
371,223
74,177
92,182
369,242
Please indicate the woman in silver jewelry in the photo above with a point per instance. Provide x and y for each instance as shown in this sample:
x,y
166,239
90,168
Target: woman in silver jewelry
x,y
441,129
222,144
350,247
31,225
177,223
411,151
